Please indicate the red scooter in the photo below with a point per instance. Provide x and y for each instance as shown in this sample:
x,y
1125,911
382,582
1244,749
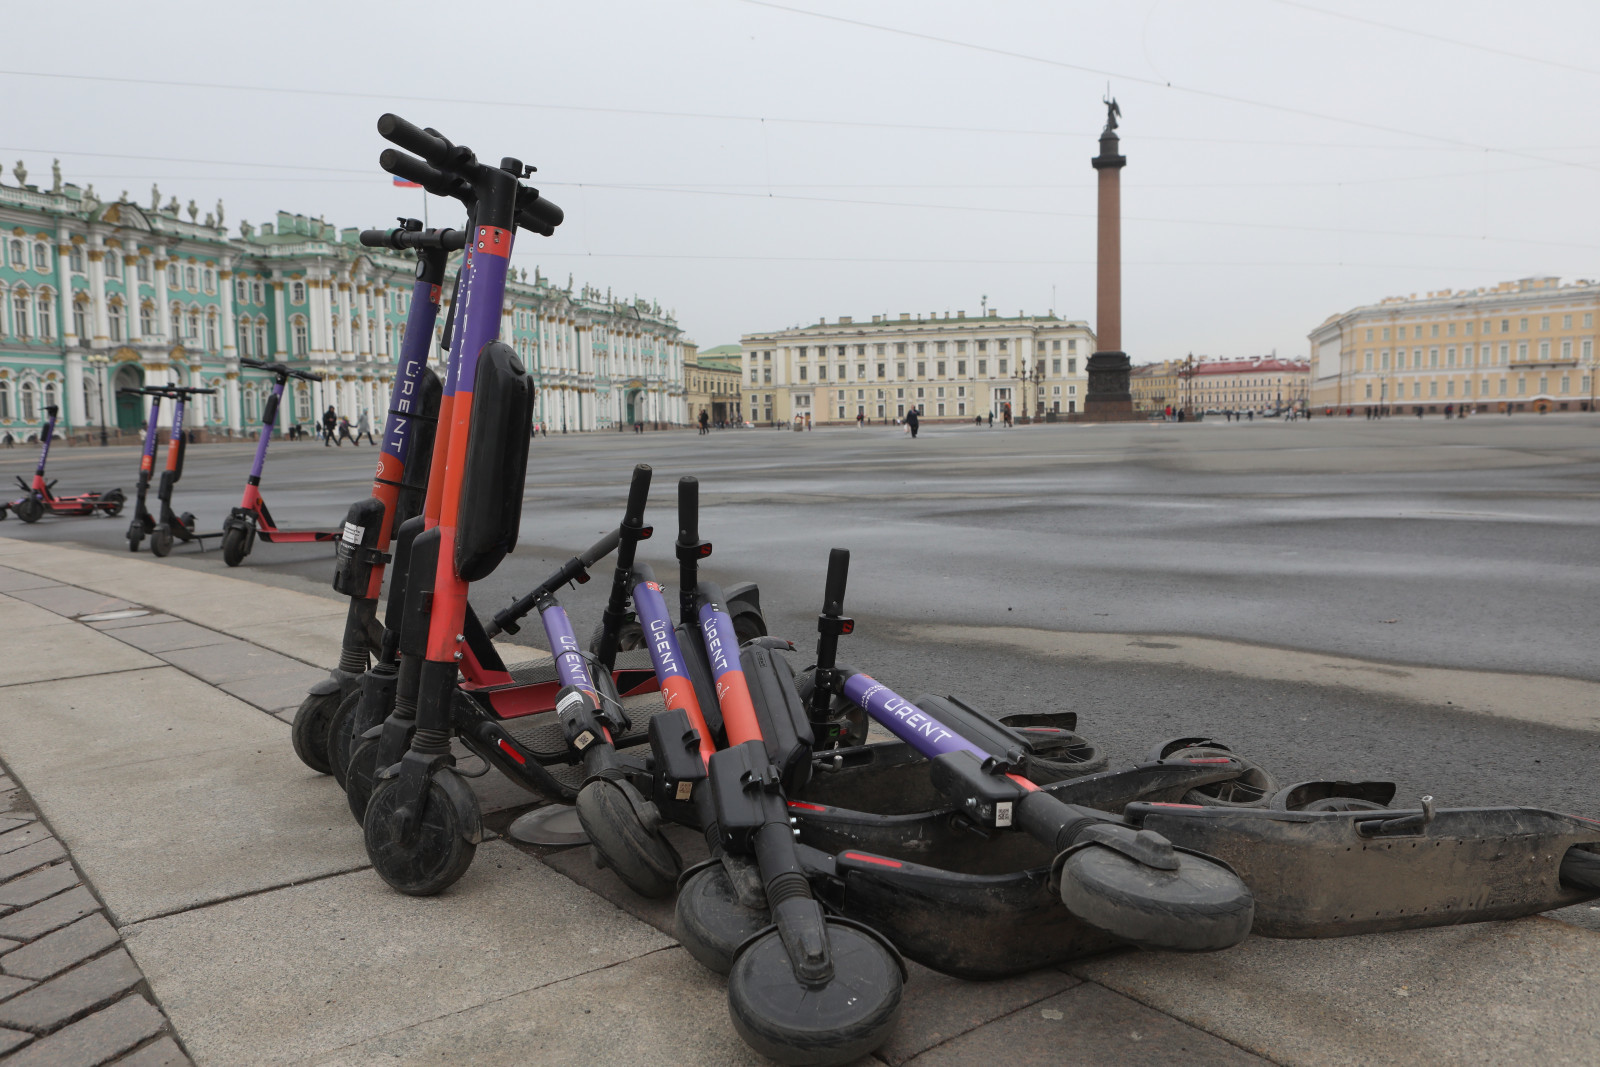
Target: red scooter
x,y
38,497
251,519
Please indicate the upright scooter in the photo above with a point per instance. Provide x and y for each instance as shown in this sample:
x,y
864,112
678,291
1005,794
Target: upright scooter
x,y
39,497
251,519
170,525
422,825
144,523
397,494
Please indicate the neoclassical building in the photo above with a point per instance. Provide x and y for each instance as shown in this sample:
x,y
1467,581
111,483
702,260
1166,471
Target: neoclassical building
x,y
96,296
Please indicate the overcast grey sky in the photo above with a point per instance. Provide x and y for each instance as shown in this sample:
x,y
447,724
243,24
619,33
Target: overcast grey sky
x,y
756,166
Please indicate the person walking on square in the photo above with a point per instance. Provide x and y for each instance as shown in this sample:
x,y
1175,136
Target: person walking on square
x,y
329,421
705,423
344,431
912,421
364,427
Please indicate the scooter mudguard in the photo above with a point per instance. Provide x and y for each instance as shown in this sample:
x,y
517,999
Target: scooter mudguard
x,y
466,805
329,685
1331,874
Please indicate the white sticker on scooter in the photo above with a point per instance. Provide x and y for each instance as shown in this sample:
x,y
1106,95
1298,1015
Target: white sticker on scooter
x,y
353,533
1002,813
684,791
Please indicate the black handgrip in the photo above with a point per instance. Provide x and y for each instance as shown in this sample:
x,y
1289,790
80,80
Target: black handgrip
x,y
378,238
305,376
258,364
430,146
433,180
449,240
536,213
688,509
638,495
600,549
838,574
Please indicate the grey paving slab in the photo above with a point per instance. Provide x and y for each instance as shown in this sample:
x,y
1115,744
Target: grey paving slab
x,y
168,636
578,864
313,638
71,601
43,650
10,1039
35,887
661,1008
12,580
17,615
1088,1024
232,660
938,1008
7,946
95,1039
29,857
235,981
54,953
155,618
10,985
49,1004
163,1052
48,914
16,819
6,784
184,795
277,690
1479,993
11,840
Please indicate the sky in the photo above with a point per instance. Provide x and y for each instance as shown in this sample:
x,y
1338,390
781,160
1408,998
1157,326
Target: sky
x,y
757,165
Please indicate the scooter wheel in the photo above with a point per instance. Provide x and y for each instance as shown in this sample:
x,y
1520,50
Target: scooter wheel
x,y
361,776
29,510
786,1021
309,733
711,923
340,743
233,547
112,502
1253,788
187,520
436,856
1200,907
629,637
161,542
642,858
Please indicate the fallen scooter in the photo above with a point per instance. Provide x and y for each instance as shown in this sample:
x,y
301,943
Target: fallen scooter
x,y
251,519
398,489
39,498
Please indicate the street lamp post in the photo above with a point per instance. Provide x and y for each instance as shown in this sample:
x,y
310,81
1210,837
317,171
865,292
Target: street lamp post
x,y
1023,376
101,362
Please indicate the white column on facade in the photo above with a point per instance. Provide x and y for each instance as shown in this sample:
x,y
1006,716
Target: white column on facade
x,y
280,320
161,294
97,292
77,413
130,298
233,401
69,334
230,350
346,332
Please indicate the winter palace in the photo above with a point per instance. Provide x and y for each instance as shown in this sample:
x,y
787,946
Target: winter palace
x,y
96,296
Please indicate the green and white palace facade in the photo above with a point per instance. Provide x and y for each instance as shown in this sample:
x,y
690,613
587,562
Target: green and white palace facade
x,y
100,296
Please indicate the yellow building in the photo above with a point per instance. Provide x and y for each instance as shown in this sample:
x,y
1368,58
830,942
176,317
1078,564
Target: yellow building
x,y
951,368
713,382
1260,384
1155,385
1522,345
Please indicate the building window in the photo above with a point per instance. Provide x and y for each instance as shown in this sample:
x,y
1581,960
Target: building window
x,y
1055,366
211,332
144,268
939,367
241,290
301,344
861,371
900,349
172,276
30,412
1002,368
1544,350
114,321
880,370
47,325
191,279
113,263
1566,384
961,368
75,259
41,258
297,292
19,318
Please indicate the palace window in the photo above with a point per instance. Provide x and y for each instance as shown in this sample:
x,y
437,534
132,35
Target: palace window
x,y
19,318
1002,368
802,372
172,276
80,317
191,279
880,370
961,367
41,259
113,265
301,343
30,407
259,291
900,349
1055,366
983,368
143,270
940,368
983,346
75,259
114,321
297,292
19,258
211,331
46,308
244,339
241,290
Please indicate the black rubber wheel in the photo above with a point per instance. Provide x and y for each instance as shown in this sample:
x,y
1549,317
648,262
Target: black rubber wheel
x,y
644,860
630,637
133,543
1580,869
437,855
113,502
1200,907
233,547
844,1020
161,542
711,923
29,509
747,624
340,744
187,521
309,734
361,776
1252,789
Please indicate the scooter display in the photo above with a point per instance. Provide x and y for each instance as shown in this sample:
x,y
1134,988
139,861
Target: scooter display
x,y
398,488
39,498
251,519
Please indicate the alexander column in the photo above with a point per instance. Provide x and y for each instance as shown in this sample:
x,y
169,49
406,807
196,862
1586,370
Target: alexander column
x,y
1108,398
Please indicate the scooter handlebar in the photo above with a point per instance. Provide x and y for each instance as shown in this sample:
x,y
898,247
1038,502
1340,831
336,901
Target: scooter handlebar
x,y
536,213
281,369
449,240
428,144
600,549
688,509
434,180
838,574
638,494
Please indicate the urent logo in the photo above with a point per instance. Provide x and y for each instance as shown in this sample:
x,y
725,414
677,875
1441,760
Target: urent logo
x,y
661,646
881,700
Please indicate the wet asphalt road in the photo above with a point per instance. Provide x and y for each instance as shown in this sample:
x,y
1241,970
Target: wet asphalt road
x,y
1464,544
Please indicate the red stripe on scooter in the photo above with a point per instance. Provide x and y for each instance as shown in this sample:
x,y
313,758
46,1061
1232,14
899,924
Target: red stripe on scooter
x,y
1211,759
513,753
806,807
1164,804
879,860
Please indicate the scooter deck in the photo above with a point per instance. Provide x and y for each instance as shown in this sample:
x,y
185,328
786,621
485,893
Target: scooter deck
x,y
1331,874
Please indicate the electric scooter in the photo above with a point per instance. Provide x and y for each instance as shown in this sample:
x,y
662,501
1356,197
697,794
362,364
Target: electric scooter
x,y
251,519
421,825
169,524
39,498
144,523
397,494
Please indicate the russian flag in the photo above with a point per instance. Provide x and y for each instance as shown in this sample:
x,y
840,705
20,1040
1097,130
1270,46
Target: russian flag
x,y
402,183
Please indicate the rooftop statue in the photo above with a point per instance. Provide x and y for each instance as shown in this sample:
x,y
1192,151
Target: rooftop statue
x,y
55,175
1112,113
155,197
21,173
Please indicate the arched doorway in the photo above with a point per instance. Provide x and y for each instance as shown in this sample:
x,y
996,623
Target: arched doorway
x,y
130,409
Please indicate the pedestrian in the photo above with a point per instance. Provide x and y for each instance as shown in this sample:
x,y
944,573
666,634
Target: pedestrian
x,y
344,431
329,421
364,426
991,420
11,442
912,420
861,418
1449,410
705,423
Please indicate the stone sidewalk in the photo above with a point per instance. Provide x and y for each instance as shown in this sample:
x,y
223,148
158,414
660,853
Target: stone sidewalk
x,y
143,708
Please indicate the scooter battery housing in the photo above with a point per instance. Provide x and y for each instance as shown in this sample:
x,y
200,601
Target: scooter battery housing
x,y
987,798
497,460
678,768
746,795
785,726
